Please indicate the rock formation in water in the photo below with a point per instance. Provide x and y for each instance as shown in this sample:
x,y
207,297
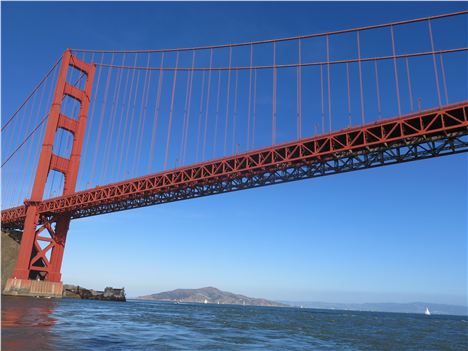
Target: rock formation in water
x,y
78,292
209,295
11,240
10,247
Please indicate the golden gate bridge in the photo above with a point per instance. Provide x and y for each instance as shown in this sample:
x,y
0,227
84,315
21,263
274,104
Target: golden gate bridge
x,y
108,130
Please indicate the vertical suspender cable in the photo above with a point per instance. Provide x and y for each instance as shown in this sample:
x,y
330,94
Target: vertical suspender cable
x,y
188,108
132,120
273,110
184,124
26,163
217,114
410,90
129,103
377,87
171,111
140,126
101,119
125,97
93,108
39,141
234,115
84,155
110,124
207,105
227,101
112,117
250,97
200,114
329,87
444,81
145,111
29,123
350,123
360,76
395,69
436,75
255,109
25,174
299,91
321,97
121,125
156,113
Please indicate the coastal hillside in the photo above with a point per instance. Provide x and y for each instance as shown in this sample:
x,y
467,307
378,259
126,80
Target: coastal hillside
x,y
209,295
10,248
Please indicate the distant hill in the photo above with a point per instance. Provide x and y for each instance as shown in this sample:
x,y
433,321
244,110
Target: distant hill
x,y
412,307
209,295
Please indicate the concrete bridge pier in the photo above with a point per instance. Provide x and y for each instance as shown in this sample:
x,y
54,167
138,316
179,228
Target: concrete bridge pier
x,y
35,288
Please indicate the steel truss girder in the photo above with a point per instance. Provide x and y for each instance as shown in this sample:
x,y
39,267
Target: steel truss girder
x,y
427,134
405,152
39,261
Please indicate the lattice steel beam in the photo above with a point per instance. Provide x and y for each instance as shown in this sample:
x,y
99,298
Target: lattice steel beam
x,y
427,134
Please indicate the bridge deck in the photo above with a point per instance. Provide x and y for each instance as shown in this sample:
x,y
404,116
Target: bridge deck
x,y
425,134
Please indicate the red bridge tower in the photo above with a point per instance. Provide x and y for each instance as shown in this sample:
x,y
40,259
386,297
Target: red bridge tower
x,y
37,270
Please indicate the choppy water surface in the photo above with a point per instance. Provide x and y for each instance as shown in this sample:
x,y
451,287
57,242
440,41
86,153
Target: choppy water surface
x,y
41,324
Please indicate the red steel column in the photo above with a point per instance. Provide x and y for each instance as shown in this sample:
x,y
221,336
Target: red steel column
x,y
29,233
70,170
56,257
71,175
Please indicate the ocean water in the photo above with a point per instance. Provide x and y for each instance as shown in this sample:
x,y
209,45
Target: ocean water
x,y
42,324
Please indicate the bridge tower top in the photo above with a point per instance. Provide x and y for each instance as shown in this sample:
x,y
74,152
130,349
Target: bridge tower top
x,y
49,161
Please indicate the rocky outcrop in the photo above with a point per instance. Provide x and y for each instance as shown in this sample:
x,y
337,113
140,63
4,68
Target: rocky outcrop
x,y
209,295
10,248
78,292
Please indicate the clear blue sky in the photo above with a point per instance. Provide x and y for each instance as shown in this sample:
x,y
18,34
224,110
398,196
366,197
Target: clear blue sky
x,y
397,233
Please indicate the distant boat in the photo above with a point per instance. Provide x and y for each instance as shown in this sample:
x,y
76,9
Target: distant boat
x,y
206,301
427,312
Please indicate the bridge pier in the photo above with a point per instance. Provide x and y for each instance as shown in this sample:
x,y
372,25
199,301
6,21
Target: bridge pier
x,y
37,270
27,241
61,230
28,287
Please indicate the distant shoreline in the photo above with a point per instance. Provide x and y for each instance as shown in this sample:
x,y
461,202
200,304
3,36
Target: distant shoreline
x,y
295,306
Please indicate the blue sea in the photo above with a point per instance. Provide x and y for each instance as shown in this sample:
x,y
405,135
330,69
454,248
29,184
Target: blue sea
x,y
46,324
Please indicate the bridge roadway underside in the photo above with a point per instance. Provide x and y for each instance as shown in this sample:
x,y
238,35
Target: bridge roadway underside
x,y
427,134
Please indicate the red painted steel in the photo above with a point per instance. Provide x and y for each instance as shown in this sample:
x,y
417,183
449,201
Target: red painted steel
x,y
45,223
436,123
36,261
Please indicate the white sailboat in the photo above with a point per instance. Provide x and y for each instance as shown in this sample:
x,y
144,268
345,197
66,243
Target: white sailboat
x,y
206,301
427,312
